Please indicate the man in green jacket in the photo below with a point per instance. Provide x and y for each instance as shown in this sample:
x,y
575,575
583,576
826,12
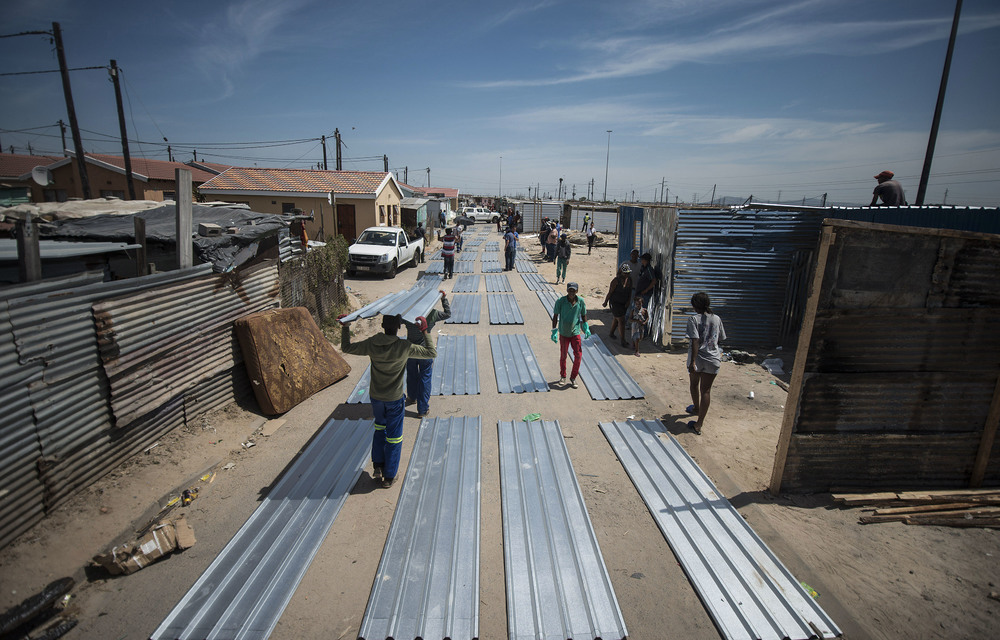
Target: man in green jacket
x,y
569,325
388,354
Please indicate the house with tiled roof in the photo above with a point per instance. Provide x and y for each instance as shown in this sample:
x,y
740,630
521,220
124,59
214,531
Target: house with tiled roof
x,y
153,179
449,194
15,176
341,202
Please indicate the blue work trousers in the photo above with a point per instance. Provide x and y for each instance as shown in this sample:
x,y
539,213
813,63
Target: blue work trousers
x,y
387,441
509,255
418,382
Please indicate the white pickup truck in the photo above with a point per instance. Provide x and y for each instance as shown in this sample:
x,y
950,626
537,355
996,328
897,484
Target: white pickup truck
x,y
481,214
383,250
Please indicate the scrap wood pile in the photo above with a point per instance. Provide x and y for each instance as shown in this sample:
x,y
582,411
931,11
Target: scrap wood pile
x,y
946,508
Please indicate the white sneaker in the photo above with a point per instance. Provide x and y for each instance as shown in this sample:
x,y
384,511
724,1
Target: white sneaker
x,y
562,382
572,383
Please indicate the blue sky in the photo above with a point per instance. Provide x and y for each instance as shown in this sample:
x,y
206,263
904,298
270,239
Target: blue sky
x,y
805,97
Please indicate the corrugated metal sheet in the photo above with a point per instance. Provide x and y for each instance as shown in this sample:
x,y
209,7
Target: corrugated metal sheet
x,y
465,309
435,266
658,232
548,299
557,583
605,377
533,212
464,267
745,588
525,266
504,309
467,256
978,219
492,266
492,246
604,221
515,365
246,588
359,395
536,282
427,583
436,255
430,280
456,367
409,303
157,343
498,284
466,284
742,260
630,236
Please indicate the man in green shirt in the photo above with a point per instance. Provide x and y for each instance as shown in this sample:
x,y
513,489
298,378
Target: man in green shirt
x,y
570,316
388,354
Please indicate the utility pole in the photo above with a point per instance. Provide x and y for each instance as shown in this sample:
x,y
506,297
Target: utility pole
x,y
945,201
607,160
428,170
340,165
574,191
121,128
824,200
81,162
663,186
170,154
713,193
500,187
559,195
194,154
62,131
925,173
385,163
406,175
779,196
322,140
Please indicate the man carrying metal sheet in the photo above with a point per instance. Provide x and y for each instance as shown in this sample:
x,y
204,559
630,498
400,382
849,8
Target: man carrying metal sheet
x,y
419,370
388,354
570,316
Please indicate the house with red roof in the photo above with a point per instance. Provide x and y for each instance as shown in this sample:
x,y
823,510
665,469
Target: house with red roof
x,y
341,202
153,179
15,175
433,192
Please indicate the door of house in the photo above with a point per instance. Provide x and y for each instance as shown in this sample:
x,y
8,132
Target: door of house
x,y
345,222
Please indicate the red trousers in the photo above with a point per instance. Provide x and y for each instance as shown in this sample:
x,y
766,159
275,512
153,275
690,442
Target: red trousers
x,y
564,344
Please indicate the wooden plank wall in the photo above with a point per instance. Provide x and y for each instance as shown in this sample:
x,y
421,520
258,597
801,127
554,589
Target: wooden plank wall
x,y
896,382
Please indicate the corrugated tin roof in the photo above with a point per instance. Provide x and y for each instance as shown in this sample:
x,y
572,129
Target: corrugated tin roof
x,y
744,586
466,284
246,588
55,249
557,583
504,309
427,583
515,364
498,284
605,377
465,309
536,282
456,367
296,181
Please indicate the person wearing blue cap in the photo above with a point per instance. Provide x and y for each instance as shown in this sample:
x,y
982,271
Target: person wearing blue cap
x,y
569,326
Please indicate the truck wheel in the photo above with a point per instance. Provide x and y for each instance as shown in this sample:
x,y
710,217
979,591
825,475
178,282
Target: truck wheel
x,y
417,257
391,273
352,272
495,219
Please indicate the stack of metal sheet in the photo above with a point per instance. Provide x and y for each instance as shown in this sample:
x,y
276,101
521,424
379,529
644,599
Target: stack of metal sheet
x,y
536,282
427,584
359,395
466,284
456,367
492,245
466,255
465,309
515,365
605,377
498,284
557,583
490,266
525,266
246,588
548,299
504,309
747,590
429,280
463,266
409,304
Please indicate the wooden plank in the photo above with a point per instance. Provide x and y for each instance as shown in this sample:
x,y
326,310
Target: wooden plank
x,y
923,508
801,355
986,443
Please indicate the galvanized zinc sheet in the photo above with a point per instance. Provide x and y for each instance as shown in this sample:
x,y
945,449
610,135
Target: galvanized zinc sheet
x,y
492,256
492,245
246,588
467,256
498,284
466,284
515,365
427,583
489,266
436,255
548,299
465,309
359,395
557,583
429,280
410,304
464,267
435,266
525,266
747,590
456,367
504,309
605,377
536,282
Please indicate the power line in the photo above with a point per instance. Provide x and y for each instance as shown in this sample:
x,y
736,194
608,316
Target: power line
x,y
31,73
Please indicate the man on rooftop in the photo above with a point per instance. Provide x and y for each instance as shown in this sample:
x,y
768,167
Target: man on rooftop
x,y
889,190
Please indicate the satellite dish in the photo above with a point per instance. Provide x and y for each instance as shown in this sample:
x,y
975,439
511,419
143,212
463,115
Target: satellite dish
x,y
41,176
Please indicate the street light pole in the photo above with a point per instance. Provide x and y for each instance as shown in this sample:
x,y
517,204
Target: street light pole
x,y
606,161
500,190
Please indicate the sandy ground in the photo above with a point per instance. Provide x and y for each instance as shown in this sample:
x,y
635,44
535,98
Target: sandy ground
x,y
878,581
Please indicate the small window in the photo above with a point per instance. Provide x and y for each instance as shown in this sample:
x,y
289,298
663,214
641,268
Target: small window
x,y
402,240
112,193
286,207
169,195
395,214
381,213
55,195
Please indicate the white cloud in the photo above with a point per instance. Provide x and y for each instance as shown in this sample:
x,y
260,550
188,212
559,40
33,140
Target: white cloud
x,y
516,11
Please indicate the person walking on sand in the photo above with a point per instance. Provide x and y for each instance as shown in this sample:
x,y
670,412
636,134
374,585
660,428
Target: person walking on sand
x,y
646,283
569,326
551,242
563,251
638,319
619,294
509,249
591,236
388,354
705,331
448,253
419,370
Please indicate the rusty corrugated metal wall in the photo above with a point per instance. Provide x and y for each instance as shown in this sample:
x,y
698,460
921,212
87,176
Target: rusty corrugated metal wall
x,y
62,433
898,363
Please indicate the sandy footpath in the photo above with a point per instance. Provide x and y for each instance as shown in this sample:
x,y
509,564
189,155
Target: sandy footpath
x,y
878,581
